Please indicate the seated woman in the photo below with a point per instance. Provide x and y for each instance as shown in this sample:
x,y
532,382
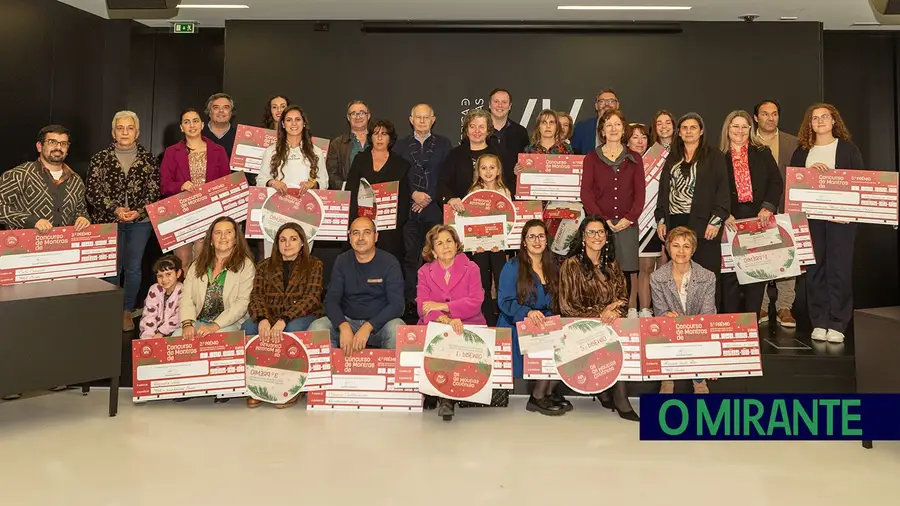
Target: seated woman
x,y
218,284
592,285
527,290
681,287
449,289
162,307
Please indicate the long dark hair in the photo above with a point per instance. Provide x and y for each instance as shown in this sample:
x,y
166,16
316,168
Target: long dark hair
x,y
268,121
207,257
525,291
654,134
276,261
282,148
181,118
703,150
607,254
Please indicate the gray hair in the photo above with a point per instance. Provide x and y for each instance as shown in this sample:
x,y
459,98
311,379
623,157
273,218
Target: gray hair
x,y
126,114
216,96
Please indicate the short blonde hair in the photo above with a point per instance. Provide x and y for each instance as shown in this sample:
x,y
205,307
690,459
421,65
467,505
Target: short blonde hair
x,y
126,114
432,235
684,232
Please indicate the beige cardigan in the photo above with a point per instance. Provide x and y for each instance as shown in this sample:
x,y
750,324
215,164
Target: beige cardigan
x,y
235,295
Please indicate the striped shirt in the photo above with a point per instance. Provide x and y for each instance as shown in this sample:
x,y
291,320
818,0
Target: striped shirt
x,y
681,190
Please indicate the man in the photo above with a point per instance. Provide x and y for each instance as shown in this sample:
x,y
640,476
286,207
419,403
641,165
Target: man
x,y
425,153
219,110
584,137
783,145
45,193
344,148
511,136
364,301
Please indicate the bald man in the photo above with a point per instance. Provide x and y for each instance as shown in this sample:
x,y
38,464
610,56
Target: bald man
x,y
364,301
425,152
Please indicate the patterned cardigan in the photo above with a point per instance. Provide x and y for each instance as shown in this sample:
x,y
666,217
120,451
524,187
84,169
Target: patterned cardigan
x,y
161,315
587,297
28,194
108,187
270,301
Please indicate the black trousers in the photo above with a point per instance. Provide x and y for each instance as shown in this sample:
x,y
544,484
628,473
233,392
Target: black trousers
x,y
829,282
738,298
490,264
414,240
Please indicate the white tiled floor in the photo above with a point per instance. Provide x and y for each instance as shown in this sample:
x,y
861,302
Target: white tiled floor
x,y
62,449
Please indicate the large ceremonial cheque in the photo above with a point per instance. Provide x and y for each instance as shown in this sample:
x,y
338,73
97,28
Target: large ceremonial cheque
x,y
757,252
365,381
486,211
183,218
323,214
654,160
278,370
458,366
862,196
379,202
27,255
249,145
549,177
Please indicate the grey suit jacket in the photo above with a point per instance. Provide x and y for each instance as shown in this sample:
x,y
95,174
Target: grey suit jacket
x,y
701,291
787,144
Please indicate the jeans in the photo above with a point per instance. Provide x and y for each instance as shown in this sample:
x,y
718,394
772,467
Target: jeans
x,y
198,323
385,338
132,241
251,328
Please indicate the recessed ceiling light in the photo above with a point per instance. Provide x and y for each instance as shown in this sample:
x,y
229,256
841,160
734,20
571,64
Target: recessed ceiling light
x,y
789,18
623,8
212,6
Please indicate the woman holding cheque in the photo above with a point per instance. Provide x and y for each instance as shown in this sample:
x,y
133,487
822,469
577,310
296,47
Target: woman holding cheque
x,y
527,290
681,287
449,289
591,285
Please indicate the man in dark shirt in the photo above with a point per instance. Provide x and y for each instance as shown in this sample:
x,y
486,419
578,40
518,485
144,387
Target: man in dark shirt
x,y
364,300
219,110
584,135
511,136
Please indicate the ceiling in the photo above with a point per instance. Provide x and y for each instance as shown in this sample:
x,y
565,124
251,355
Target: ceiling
x,y
835,14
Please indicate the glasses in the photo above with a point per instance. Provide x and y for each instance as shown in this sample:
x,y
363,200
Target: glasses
x,y
358,114
364,233
595,233
824,117
536,237
53,143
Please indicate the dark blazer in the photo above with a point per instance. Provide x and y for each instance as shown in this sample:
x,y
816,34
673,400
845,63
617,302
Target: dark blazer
x,y
847,157
432,156
459,169
584,136
787,144
270,300
701,291
765,179
174,170
511,142
710,192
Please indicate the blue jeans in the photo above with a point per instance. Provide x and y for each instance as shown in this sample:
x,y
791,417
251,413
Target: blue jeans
x,y
132,241
385,338
251,328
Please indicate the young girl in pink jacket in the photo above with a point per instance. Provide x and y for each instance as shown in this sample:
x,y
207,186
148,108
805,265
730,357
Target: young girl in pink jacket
x,y
161,308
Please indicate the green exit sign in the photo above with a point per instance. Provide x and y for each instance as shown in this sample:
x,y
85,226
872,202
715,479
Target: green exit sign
x,y
185,27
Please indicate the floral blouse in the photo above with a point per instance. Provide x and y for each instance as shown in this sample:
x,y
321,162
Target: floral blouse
x,y
213,303
560,148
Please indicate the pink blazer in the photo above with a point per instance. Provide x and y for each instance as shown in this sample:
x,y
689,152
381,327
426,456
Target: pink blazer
x,y
160,315
174,170
464,294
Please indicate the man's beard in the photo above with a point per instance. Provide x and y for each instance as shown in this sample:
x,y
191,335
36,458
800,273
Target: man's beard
x,y
56,156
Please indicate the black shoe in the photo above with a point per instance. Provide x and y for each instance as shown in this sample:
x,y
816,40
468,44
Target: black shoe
x,y
605,402
221,400
628,415
559,400
446,410
544,406
430,403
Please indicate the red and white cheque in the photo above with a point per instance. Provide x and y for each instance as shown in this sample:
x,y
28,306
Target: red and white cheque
x,y
28,256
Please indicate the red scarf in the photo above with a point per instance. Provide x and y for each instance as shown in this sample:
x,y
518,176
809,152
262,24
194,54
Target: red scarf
x,y
742,181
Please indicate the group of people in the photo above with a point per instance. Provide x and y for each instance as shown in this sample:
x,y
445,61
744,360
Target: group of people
x,y
418,270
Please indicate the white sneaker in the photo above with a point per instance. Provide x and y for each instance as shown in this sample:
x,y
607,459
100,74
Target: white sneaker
x,y
834,336
646,313
819,334
632,313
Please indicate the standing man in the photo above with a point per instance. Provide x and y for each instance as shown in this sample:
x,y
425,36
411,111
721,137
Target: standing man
x,y
511,136
584,137
425,153
783,145
343,149
219,110
45,193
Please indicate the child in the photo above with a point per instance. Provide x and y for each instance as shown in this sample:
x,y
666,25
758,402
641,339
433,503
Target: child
x,y
161,309
487,176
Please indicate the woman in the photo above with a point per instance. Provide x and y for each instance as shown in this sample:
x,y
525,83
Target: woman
x,y
287,291
693,192
456,174
612,186
293,161
591,285
653,255
272,113
825,145
565,126
123,179
378,164
188,164
663,128
636,134
217,287
527,290
448,289
683,288
756,185
547,137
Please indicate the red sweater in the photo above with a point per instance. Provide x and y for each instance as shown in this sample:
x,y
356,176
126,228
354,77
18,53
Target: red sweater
x,y
610,194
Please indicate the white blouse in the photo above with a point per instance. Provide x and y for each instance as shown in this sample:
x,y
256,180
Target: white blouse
x,y
823,154
295,170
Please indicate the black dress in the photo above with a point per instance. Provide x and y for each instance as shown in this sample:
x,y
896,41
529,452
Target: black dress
x,y
395,169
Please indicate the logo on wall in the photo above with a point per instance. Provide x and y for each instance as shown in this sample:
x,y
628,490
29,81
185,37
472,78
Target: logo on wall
x,y
467,104
527,113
